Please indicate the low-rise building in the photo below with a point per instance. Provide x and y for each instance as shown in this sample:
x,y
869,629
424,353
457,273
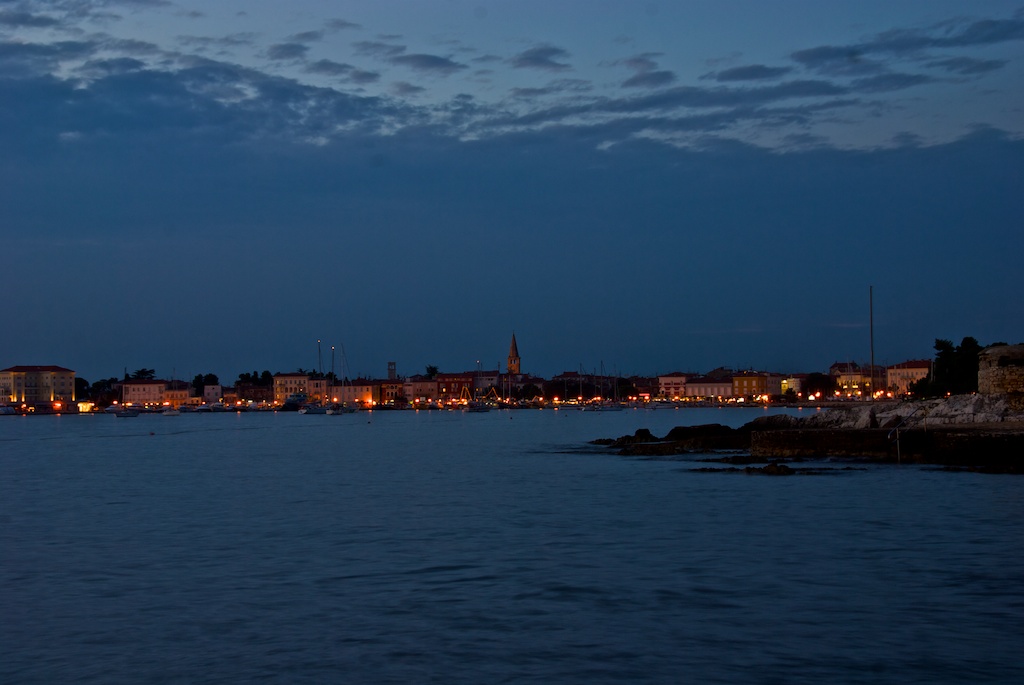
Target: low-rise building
x,y
286,384
359,391
390,391
857,380
672,386
899,377
176,393
455,386
420,389
254,392
212,394
146,392
750,384
708,388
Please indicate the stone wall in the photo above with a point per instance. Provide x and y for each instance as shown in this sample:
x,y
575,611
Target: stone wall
x,y
1001,370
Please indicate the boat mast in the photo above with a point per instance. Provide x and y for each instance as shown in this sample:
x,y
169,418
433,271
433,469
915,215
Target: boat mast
x,y
871,330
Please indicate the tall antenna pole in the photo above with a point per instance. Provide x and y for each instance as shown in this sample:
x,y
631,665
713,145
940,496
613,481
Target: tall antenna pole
x,y
871,326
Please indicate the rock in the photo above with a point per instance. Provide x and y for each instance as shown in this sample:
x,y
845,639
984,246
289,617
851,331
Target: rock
x,y
773,422
772,469
702,431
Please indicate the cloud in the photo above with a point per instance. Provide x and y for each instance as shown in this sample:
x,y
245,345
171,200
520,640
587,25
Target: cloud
x,y
23,59
370,48
286,51
404,89
541,57
685,97
428,63
837,61
967,66
341,25
647,73
15,19
306,37
105,67
884,83
204,43
753,72
558,87
347,72
857,58
650,79
131,47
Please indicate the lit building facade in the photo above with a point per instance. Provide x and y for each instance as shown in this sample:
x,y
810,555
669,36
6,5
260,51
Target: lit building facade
x,y
143,392
32,384
709,388
899,377
286,384
672,386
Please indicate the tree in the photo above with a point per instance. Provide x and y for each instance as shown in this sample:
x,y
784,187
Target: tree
x,y
102,391
265,379
431,371
529,392
144,374
819,382
954,371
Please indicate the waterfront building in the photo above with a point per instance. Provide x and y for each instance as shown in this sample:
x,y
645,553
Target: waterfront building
x,y
646,386
899,377
452,387
749,384
317,389
248,391
709,388
176,393
856,380
793,383
212,394
37,384
485,381
359,391
144,392
390,391
286,384
672,386
420,389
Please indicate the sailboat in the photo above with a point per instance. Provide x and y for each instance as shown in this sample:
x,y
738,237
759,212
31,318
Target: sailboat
x,y
339,408
119,409
320,408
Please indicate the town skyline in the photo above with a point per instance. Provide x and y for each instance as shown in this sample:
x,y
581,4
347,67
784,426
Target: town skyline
x,y
510,365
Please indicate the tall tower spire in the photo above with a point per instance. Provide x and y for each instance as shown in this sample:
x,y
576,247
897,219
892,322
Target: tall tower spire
x,y
513,357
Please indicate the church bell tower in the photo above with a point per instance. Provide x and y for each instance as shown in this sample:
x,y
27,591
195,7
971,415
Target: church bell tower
x,y
513,358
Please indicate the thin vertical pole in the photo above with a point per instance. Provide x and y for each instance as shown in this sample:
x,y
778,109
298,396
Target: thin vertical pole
x,y
871,316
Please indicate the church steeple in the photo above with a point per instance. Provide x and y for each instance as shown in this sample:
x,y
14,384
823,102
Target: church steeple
x,y
513,357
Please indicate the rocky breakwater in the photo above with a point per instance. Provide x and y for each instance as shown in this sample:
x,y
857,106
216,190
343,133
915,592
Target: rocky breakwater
x,y
983,432
712,437
980,432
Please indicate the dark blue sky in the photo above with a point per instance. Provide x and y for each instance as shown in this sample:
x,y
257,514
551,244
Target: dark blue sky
x,y
198,193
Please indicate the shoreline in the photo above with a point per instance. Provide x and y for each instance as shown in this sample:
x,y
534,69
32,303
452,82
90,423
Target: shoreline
x,y
977,433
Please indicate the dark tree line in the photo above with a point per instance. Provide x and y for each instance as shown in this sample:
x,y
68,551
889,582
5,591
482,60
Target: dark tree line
x,y
265,379
954,371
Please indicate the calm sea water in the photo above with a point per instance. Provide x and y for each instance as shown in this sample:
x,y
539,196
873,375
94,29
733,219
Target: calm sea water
x,y
405,547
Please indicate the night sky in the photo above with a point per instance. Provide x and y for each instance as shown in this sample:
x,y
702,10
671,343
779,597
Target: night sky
x,y
200,187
